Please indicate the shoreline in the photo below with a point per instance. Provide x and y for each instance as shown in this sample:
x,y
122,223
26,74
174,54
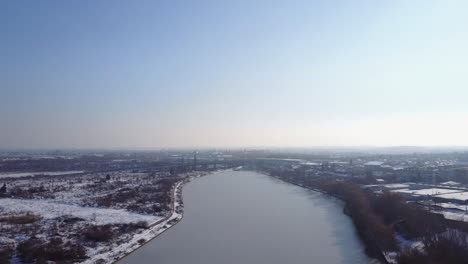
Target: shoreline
x,y
302,186
153,231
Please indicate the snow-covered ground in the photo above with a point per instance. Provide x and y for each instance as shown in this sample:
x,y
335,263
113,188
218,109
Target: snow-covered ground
x,y
455,216
407,243
98,199
117,252
461,196
49,209
393,186
452,206
404,244
32,174
428,191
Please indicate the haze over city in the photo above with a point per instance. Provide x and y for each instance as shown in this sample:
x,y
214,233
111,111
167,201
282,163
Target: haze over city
x,y
159,74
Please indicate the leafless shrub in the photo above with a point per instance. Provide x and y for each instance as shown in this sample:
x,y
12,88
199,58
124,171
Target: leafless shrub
x,y
416,221
39,251
5,254
99,233
413,256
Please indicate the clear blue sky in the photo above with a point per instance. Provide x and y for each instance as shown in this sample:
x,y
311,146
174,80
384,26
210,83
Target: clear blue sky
x,y
124,74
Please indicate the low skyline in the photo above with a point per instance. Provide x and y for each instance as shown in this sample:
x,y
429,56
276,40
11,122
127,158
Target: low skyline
x,y
194,74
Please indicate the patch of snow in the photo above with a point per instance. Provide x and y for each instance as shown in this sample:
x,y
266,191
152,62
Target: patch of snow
x,y
32,174
407,243
374,163
450,183
391,257
429,191
49,209
452,206
396,186
455,216
461,196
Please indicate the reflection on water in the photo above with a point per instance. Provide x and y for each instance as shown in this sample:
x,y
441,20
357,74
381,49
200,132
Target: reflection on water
x,y
246,217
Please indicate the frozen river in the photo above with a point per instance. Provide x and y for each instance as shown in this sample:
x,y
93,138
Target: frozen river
x,y
248,218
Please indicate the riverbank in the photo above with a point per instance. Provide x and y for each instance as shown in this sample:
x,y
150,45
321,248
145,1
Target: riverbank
x,y
154,229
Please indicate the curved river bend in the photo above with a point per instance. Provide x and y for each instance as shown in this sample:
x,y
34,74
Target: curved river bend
x,y
236,217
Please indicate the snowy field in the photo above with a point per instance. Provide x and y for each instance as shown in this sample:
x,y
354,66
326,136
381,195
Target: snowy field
x,y
396,186
32,174
462,196
452,206
429,191
49,209
107,214
455,216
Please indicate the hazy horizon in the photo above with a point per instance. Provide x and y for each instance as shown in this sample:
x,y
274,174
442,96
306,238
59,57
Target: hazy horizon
x,y
240,74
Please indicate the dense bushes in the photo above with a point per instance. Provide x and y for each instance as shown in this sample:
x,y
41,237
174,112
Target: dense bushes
x,y
413,220
448,247
142,199
131,227
369,225
20,219
37,251
5,254
414,256
99,233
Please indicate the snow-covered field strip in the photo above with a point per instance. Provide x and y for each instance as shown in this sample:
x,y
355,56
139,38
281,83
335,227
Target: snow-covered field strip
x,y
452,206
31,174
455,216
429,191
462,196
49,209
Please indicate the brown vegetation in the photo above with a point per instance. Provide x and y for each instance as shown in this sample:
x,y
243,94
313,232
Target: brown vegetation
x,y
131,227
38,251
413,221
141,199
370,226
5,254
448,247
99,233
20,219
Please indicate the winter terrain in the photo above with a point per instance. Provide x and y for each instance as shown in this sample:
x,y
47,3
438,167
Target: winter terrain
x,y
86,217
